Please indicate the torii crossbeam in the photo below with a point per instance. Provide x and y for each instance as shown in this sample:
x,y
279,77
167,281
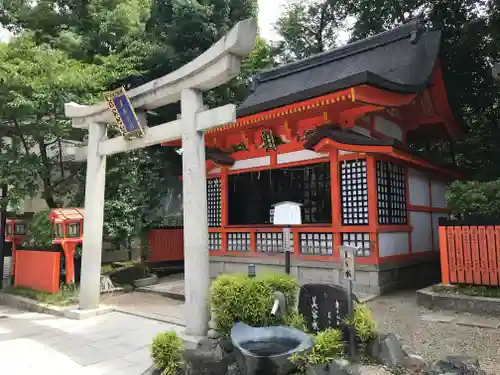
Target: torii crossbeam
x,y
213,68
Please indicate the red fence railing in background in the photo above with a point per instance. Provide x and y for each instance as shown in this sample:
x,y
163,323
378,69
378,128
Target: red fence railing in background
x,y
470,254
39,270
166,245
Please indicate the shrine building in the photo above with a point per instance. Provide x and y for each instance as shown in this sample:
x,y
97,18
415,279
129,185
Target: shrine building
x,y
331,132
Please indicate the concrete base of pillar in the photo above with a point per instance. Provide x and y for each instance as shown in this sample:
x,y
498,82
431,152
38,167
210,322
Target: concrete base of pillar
x,y
78,314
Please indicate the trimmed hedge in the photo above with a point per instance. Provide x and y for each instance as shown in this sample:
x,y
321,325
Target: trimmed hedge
x,y
239,298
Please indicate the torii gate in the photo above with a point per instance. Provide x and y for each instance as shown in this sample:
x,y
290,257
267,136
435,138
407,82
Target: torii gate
x,y
213,68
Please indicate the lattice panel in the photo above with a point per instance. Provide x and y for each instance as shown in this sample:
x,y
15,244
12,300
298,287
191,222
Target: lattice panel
x,y
391,194
270,242
316,243
214,202
361,240
354,190
238,241
214,241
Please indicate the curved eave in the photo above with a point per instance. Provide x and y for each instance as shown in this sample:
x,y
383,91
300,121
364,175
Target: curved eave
x,y
365,78
385,148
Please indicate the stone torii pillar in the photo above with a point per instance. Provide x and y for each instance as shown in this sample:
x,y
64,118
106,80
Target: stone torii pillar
x,y
213,68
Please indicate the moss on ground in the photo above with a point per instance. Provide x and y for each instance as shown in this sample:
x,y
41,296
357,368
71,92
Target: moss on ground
x,y
469,290
68,295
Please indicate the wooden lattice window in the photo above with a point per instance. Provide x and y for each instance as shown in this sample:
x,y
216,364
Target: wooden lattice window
x,y
59,231
359,240
73,230
354,190
316,243
270,242
214,202
238,241
214,241
251,195
20,229
391,194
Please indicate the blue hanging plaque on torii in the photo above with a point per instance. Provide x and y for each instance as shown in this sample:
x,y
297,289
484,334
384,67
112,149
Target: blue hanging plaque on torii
x,y
125,116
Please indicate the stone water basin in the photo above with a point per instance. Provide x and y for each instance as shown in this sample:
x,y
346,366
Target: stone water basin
x,y
266,350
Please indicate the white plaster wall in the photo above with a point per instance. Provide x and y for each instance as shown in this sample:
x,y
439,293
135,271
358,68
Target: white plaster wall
x,y
438,189
291,157
418,184
251,163
388,128
435,229
393,244
421,236
215,170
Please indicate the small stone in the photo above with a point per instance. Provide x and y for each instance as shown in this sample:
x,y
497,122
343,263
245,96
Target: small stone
x,y
206,343
463,359
226,345
212,334
458,365
387,350
415,364
212,324
204,362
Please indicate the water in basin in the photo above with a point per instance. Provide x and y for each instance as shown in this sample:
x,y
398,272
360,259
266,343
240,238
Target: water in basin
x,y
267,350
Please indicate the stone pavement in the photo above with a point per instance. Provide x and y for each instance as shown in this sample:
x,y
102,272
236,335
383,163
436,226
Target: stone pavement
x,y
115,343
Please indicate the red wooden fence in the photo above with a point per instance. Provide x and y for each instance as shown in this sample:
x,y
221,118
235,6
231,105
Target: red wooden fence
x,y
470,254
166,244
39,270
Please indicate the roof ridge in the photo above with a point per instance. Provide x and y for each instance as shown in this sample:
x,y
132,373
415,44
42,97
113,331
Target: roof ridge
x,y
407,30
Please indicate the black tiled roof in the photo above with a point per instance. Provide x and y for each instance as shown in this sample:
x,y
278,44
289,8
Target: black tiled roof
x,y
218,156
348,137
400,60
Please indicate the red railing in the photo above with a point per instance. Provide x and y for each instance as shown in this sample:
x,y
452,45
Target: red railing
x,y
39,270
470,254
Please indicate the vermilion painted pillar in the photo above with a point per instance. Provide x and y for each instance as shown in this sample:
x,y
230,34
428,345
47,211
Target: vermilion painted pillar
x,y
69,253
371,172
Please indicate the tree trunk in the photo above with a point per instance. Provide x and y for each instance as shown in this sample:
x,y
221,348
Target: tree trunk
x,y
48,191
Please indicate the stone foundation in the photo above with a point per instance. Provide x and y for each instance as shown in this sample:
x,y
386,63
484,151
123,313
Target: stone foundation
x,y
370,278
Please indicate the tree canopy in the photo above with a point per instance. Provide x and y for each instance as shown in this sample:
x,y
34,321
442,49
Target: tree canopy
x,y
68,50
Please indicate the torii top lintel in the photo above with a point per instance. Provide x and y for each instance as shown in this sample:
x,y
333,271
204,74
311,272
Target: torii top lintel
x,y
214,67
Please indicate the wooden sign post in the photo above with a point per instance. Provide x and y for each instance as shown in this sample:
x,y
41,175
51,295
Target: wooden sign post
x,y
348,256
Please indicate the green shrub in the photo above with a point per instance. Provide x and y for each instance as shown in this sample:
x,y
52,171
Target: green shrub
x,y
166,352
474,199
296,320
328,346
39,231
240,298
363,322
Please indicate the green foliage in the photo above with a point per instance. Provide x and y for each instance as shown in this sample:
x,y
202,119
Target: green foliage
x,y
73,51
474,199
166,351
327,347
307,28
363,322
241,298
67,295
39,232
296,320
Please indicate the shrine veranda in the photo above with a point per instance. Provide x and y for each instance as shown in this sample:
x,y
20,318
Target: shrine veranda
x,y
331,132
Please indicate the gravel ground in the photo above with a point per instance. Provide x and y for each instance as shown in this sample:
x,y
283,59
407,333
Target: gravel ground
x,y
400,314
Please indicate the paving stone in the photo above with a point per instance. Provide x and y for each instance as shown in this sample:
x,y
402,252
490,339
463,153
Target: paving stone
x,y
437,318
474,321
